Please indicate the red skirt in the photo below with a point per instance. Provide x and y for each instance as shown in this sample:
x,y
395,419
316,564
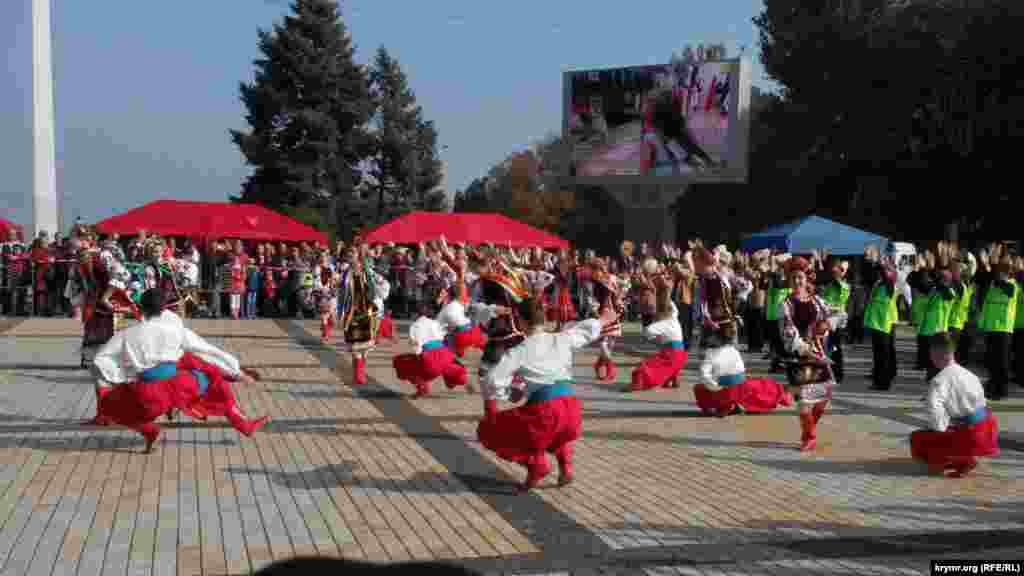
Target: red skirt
x,y
659,368
519,433
963,443
469,338
219,400
428,366
753,395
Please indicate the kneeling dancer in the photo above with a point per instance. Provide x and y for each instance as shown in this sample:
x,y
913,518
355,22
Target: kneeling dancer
x,y
724,388
962,425
550,421
160,364
662,368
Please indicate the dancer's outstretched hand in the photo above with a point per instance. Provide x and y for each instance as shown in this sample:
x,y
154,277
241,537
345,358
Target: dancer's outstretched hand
x,y
248,376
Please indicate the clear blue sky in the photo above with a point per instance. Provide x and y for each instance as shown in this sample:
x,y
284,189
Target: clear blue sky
x,y
147,91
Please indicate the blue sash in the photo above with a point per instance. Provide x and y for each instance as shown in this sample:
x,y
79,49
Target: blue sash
x,y
202,380
556,390
675,344
463,328
161,371
731,379
980,414
433,345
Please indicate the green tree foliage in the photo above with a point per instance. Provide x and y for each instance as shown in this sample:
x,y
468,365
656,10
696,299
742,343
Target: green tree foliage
x,y
403,168
307,109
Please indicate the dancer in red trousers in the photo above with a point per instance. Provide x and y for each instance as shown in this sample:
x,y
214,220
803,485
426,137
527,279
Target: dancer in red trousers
x,y
962,425
662,368
431,357
550,420
159,364
724,388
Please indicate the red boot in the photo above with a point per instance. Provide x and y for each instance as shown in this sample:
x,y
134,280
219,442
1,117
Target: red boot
x,y
422,388
819,411
598,366
808,440
151,432
610,366
359,371
564,456
245,426
326,325
538,468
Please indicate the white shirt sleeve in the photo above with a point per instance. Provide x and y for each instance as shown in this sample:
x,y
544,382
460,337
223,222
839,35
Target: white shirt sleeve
x,y
582,334
498,383
195,344
938,393
707,371
108,360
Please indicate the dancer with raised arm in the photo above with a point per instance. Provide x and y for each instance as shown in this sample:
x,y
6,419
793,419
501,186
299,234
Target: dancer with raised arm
x,y
662,368
159,365
551,419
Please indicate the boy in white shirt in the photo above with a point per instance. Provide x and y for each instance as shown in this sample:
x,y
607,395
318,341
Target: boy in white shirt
x,y
431,355
962,426
724,388
551,418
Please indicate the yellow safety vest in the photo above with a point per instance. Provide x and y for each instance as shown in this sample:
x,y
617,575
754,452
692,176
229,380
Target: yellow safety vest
x,y
999,312
881,313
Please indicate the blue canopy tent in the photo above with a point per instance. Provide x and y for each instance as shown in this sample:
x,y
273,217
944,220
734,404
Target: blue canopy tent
x,y
814,233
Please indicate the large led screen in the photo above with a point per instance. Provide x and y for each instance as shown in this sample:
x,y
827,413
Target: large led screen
x,y
673,120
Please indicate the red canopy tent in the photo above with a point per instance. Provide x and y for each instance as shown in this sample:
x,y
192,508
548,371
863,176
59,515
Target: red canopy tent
x,y
210,220
467,227
6,226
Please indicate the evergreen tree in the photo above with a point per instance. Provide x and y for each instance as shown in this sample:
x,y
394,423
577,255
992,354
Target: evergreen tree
x,y
307,110
403,166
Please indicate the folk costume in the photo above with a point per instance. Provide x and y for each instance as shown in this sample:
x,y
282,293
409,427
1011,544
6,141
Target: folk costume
x,y
431,358
362,296
662,368
14,255
807,321
550,420
159,273
962,426
160,365
501,286
608,294
725,389
326,287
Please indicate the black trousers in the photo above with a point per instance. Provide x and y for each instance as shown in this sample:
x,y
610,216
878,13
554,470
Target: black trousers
x,y
686,320
997,362
883,353
964,344
855,328
836,354
922,353
1018,356
753,319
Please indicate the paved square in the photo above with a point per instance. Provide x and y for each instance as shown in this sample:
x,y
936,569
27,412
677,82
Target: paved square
x,y
371,473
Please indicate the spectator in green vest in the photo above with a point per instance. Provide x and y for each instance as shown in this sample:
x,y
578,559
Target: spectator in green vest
x,y
880,317
997,292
